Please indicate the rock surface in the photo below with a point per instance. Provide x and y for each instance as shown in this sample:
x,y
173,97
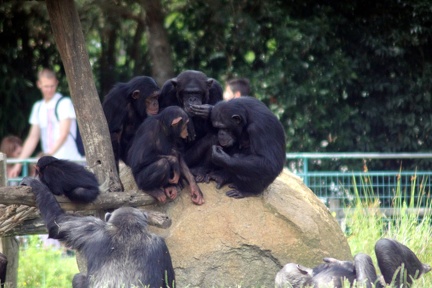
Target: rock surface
x,y
228,242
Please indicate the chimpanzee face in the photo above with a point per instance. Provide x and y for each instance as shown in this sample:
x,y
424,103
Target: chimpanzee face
x,y
226,138
184,131
192,98
192,89
229,130
179,124
152,104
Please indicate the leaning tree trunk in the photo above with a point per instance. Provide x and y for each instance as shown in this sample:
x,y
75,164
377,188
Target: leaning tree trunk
x,y
9,245
91,119
157,39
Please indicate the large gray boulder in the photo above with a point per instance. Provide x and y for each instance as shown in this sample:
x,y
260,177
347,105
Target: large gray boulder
x,y
228,242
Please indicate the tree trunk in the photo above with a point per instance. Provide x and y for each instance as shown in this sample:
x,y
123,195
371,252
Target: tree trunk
x,y
9,245
10,248
91,119
157,39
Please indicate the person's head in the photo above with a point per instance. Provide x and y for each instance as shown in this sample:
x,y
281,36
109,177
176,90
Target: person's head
x,y
11,146
236,87
47,83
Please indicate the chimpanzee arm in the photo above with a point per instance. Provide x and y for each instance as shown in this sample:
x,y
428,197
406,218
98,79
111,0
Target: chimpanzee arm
x,y
196,194
48,205
240,164
169,274
365,271
74,230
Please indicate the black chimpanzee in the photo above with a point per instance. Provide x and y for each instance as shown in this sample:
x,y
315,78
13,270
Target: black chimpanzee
x,y
157,165
252,146
193,88
125,107
390,255
3,265
120,252
67,178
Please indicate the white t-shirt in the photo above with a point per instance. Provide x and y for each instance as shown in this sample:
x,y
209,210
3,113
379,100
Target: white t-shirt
x,y
43,115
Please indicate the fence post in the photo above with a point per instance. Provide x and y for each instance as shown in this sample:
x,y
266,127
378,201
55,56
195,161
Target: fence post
x,y
305,171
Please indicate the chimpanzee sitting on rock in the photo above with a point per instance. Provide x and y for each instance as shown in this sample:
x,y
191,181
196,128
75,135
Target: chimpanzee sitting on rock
x,y
251,150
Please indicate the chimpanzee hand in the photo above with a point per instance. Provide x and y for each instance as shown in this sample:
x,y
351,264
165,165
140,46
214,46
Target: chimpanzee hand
x,y
29,181
202,111
221,177
219,157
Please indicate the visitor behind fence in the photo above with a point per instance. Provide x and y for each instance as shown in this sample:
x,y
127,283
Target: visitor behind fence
x,y
57,135
236,88
11,146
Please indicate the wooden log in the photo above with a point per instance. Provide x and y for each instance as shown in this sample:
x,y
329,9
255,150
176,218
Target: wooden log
x,y
23,195
37,226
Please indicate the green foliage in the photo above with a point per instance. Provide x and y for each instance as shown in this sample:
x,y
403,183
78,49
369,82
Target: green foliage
x,y
44,267
351,76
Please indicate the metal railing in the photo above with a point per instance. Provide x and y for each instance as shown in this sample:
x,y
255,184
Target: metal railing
x,y
26,167
339,189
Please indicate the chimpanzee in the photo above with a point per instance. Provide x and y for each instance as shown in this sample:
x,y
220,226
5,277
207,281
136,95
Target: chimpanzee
x,y
390,255
194,89
157,165
120,251
333,272
67,178
252,146
125,107
3,265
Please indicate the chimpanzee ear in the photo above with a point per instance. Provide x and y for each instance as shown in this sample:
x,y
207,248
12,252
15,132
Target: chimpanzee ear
x,y
302,269
176,121
107,216
135,94
174,82
209,83
237,118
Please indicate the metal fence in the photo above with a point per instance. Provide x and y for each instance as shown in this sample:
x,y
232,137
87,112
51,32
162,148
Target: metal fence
x,y
27,167
340,189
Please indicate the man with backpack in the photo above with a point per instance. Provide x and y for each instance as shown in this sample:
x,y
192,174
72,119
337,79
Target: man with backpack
x,y
53,122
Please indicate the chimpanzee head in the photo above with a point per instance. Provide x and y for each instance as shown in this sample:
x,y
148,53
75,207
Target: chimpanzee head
x,y
192,88
127,217
230,120
42,163
294,275
143,94
175,122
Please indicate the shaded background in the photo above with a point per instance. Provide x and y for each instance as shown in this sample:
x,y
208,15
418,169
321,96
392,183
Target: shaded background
x,y
340,76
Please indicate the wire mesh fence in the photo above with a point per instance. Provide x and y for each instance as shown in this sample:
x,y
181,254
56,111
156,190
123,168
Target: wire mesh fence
x,y
343,188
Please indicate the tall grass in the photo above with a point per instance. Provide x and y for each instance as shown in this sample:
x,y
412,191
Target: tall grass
x,y
365,224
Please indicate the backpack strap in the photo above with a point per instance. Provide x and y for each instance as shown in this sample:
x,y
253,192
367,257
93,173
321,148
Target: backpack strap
x,y
56,107
56,112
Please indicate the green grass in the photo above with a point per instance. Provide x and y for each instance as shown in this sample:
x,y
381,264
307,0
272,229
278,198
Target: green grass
x,y
40,267
366,226
44,267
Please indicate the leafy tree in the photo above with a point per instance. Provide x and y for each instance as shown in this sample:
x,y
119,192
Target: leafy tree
x,y
351,76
